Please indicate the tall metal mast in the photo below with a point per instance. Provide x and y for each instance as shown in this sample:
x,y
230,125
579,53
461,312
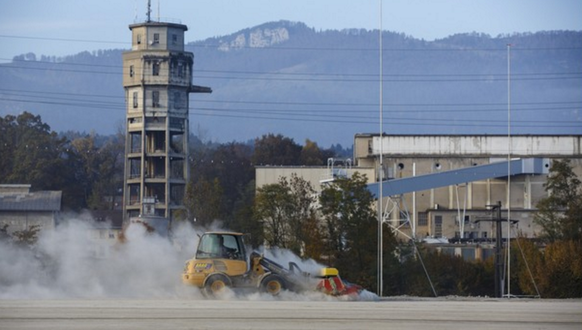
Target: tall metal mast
x,y
381,165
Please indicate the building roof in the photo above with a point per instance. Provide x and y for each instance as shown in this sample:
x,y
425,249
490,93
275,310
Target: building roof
x,y
32,201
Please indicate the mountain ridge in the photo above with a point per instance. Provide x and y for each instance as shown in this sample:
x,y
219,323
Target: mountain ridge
x,y
285,77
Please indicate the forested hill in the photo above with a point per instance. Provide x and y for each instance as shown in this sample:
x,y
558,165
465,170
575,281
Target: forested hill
x,y
284,77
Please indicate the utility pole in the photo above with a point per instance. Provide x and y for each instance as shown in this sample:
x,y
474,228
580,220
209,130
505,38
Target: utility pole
x,y
499,260
381,167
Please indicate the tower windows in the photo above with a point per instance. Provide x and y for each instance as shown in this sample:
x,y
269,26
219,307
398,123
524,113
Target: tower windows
x,y
177,100
156,68
134,100
180,69
131,72
174,39
156,39
156,99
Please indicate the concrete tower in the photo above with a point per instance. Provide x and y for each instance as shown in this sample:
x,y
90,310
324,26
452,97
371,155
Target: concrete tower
x,y
157,78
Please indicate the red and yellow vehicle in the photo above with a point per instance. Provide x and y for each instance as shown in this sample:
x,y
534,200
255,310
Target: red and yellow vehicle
x,y
221,261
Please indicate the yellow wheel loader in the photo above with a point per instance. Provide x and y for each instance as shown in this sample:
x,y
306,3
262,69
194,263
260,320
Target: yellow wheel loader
x,y
221,261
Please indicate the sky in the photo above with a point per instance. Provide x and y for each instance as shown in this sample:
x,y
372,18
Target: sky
x,y
67,27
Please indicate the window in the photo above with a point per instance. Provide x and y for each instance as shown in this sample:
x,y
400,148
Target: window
x,y
172,69
139,39
177,100
156,99
180,69
156,39
438,225
219,246
131,70
135,99
174,39
422,219
156,68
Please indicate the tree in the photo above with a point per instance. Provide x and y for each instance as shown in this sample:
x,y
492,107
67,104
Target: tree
x,y
33,150
351,229
302,212
287,211
529,264
110,170
202,200
223,172
560,214
561,276
87,156
99,163
32,154
273,149
26,237
244,220
450,275
272,207
312,155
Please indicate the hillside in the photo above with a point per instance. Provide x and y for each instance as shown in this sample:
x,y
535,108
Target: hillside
x,y
284,77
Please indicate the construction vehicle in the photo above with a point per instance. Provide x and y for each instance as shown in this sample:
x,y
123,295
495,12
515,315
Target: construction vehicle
x,y
221,261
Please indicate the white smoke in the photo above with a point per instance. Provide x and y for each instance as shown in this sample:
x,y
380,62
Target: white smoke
x,y
64,264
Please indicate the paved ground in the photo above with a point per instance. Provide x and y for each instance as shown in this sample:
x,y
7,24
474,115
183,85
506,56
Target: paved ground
x,y
442,313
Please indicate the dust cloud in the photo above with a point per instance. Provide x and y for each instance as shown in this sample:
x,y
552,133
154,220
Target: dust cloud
x,y
63,264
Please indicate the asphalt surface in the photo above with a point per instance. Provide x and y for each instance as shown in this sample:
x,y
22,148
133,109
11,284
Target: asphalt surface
x,y
399,313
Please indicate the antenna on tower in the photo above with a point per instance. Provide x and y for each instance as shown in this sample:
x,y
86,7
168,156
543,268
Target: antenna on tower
x,y
135,9
159,19
149,13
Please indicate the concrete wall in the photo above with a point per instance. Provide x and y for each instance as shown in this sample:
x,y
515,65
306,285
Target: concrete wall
x,y
481,146
18,221
314,175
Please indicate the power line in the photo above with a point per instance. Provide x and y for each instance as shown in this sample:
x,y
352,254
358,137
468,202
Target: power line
x,y
281,47
119,67
325,118
392,121
65,39
484,77
292,74
358,116
356,107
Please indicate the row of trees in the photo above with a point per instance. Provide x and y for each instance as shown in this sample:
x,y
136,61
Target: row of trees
x,y
31,153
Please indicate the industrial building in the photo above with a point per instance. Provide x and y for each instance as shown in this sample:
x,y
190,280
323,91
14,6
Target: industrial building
x,y
21,209
431,182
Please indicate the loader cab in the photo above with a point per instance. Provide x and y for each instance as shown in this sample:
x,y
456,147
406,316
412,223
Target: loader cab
x,y
221,245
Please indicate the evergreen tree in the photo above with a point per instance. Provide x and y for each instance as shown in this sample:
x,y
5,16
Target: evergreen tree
x,y
560,214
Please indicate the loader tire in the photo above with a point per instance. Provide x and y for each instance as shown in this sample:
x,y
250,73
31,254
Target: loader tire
x,y
215,285
273,284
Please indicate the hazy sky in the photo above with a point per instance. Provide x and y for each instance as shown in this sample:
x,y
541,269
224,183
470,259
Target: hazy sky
x,y
32,25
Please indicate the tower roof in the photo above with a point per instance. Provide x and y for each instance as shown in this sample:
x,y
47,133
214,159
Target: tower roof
x,y
159,24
